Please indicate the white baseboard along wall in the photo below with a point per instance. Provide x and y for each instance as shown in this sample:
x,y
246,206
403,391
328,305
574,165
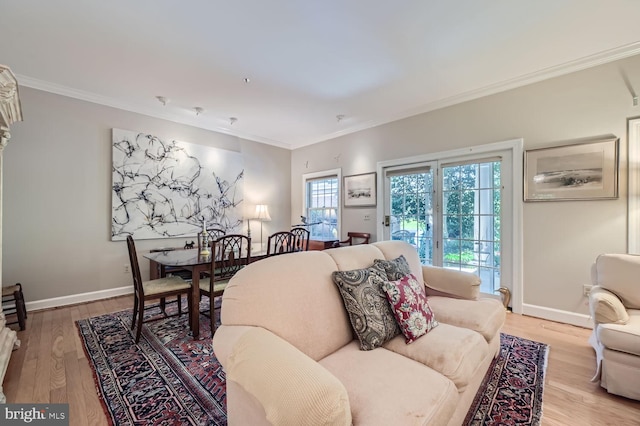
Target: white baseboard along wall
x,y
551,314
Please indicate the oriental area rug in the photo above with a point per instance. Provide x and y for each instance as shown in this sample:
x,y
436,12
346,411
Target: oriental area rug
x,y
170,379
511,392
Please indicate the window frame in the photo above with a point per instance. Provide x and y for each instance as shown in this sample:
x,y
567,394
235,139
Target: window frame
x,y
328,174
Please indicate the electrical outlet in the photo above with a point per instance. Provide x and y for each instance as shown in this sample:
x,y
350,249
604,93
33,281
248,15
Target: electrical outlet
x,y
127,269
367,217
586,290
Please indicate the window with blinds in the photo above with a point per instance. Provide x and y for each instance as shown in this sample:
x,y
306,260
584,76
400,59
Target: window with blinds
x,y
322,206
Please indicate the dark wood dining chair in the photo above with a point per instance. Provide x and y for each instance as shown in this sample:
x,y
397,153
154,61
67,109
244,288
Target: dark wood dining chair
x,y
13,303
214,234
280,243
160,288
229,254
301,238
361,237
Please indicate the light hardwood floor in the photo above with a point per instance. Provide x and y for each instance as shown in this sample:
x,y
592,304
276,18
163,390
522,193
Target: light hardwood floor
x,y
51,366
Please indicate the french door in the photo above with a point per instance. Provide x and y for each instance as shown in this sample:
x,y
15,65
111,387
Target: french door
x,y
451,211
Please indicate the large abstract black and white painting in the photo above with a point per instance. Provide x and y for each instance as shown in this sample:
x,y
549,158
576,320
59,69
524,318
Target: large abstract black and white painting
x,y
167,188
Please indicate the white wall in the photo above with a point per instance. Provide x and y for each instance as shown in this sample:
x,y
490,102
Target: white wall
x,y
57,194
561,239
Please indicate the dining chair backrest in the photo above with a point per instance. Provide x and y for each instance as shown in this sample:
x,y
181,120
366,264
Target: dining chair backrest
x,y
135,267
362,237
231,253
213,234
301,238
159,288
280,243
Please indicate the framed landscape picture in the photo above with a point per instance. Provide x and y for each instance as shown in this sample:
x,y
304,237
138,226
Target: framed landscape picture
x,y
582,171
360,190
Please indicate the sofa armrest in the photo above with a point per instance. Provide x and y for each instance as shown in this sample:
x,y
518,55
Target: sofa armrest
x,y
291,387
606,307
451,283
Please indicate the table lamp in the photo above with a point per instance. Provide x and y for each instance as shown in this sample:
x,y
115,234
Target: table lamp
x,y
262,214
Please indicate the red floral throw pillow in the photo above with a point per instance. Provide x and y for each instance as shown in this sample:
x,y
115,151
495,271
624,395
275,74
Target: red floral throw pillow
x,y
409,304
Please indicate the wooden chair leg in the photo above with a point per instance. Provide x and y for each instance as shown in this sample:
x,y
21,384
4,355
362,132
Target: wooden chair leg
x,y
22,298
179,304
163,305
212,311
21,311
189,308
140,316
135,310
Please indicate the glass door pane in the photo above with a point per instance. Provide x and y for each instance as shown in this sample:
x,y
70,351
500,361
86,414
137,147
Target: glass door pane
x,y
411,210
455,211
471,201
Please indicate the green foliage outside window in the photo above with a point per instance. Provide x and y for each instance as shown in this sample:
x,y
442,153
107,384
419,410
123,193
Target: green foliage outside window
x,y
461,258
462,187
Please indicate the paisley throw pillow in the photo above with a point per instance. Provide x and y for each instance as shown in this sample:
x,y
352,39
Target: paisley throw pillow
x,y
395,269
369,312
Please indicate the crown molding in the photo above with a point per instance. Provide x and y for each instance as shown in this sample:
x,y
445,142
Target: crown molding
x,y
526,79
115,103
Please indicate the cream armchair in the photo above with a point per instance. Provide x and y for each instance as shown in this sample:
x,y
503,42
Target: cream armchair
x,y
614,302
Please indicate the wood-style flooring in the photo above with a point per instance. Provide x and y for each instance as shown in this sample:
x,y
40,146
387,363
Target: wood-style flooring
x,y
51,367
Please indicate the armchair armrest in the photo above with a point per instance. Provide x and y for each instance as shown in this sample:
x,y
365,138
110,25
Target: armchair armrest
x,y
606,307
447,282
291,387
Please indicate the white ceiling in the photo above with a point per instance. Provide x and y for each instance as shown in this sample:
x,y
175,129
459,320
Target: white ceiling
x,y
372,61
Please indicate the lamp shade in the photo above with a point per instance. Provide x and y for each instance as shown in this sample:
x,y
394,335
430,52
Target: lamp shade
x,y
262,213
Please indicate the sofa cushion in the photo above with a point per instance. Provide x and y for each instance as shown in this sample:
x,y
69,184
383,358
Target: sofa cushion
x,y
454,352
392,249
283,376
410,307
622,337
369,312
354,257
386,388
301,304
486,316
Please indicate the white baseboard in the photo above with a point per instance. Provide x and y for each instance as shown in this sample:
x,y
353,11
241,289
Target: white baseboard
x,y
77,298
551,314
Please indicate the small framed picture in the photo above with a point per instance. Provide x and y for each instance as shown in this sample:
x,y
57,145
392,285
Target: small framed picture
x,y
360,190
581,171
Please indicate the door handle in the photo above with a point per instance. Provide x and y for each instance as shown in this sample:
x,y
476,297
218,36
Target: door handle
x,y
387,220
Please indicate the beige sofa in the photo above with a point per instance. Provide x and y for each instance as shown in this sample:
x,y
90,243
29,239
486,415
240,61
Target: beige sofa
x,y
290,356
615,308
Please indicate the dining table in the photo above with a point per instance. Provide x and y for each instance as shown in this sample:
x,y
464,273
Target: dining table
x,y
189,260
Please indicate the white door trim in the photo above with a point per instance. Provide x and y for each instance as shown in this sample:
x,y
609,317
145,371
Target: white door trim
x,y
633,216
515,147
